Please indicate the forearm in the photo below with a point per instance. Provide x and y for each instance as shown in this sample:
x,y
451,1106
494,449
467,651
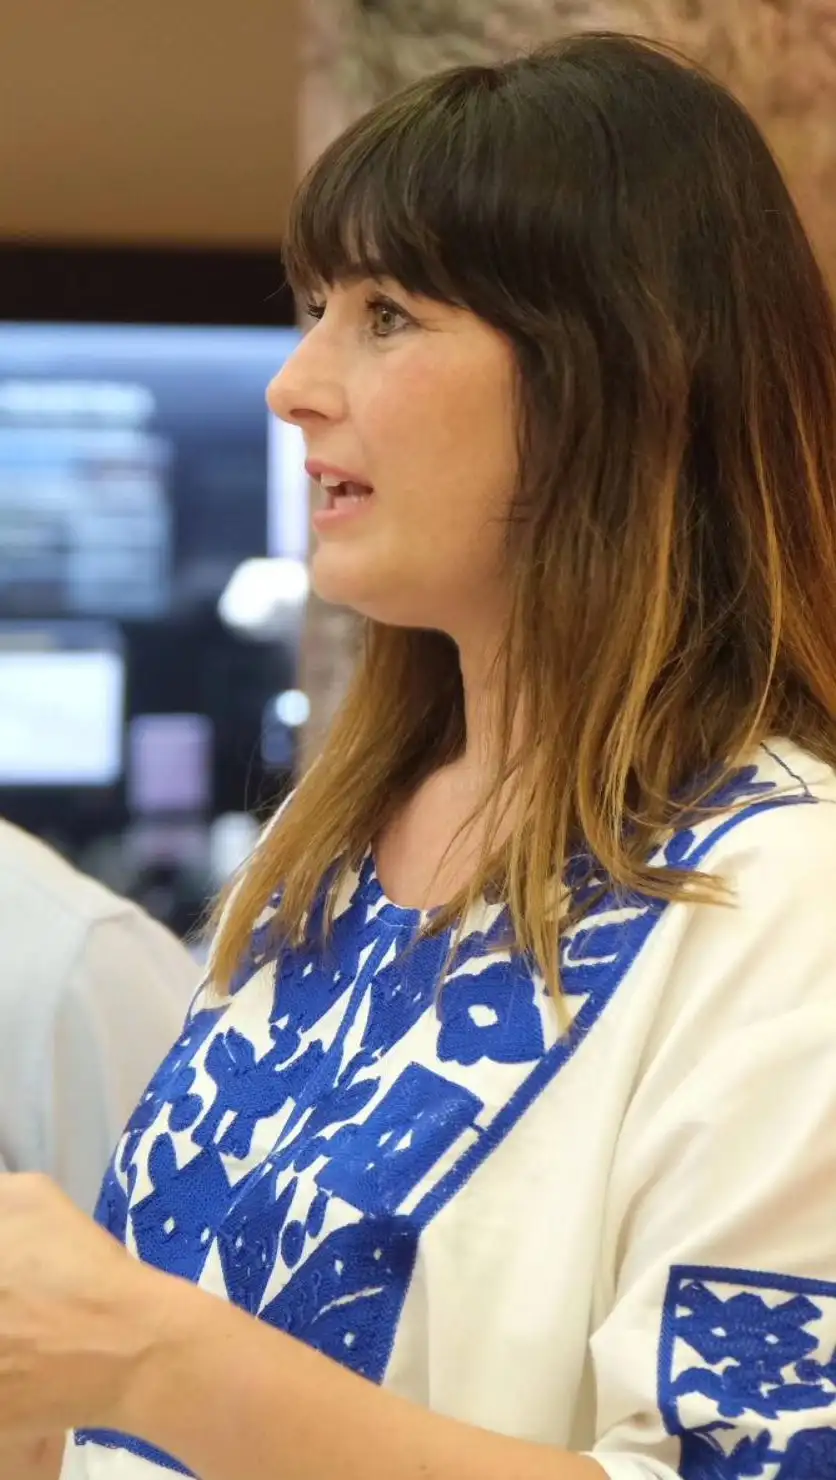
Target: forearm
x,y
31,1459
231,1397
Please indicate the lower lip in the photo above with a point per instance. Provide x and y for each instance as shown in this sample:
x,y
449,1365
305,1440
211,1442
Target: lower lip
x,y
343,512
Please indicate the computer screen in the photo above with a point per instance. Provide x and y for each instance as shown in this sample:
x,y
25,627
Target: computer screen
x,y
139,469
169,764
139,465
62,701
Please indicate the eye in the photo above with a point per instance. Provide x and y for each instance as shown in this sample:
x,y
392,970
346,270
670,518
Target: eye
x,y
314,309
387,318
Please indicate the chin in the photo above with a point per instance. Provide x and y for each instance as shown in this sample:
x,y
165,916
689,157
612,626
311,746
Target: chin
x,y
335,581
343,583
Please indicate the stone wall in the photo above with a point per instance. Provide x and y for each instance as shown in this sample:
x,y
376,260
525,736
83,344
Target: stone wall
x,y
779,56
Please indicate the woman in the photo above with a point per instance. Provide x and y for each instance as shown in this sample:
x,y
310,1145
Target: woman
x,y
520,1177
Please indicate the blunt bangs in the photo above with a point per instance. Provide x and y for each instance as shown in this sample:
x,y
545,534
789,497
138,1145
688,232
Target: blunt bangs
x,y
414,191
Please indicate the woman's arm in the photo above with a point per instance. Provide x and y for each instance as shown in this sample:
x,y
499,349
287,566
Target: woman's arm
x,y
90,1338
31,1459
230,1396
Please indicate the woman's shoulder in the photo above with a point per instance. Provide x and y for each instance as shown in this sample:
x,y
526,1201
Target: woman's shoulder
x,y
769,947
777,823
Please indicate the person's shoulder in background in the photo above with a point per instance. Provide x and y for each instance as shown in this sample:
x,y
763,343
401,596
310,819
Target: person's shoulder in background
x,y
93,992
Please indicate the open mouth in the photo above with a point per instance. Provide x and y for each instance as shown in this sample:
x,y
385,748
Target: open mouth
x,y
338,494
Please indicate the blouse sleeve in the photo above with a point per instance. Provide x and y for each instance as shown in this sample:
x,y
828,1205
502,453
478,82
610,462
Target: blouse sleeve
x,y
715,1352
117,1014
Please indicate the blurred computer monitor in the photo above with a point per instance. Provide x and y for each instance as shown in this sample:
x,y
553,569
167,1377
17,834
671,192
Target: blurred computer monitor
x,y
62,705
139,468
169,765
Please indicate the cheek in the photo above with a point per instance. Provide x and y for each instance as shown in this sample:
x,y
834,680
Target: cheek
x,y
445,433
396,408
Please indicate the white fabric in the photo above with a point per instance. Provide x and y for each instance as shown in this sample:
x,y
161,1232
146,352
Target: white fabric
x,y
636,1261
92,994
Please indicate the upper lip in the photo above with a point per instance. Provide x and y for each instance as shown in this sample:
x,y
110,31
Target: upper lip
x,y
318,470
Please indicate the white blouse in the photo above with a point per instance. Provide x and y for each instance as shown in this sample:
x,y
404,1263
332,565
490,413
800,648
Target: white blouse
x,y
614,1232
92,993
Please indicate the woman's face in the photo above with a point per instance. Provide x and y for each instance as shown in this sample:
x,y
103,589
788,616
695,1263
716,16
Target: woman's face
x,y
408,405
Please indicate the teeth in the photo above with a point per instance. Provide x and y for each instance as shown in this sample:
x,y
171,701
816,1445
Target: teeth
x,y
326,481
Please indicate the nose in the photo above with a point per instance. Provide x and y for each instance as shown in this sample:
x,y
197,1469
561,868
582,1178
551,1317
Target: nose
x,y
307,389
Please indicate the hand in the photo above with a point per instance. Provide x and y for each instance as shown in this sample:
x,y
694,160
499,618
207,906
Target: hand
x,y
78,1314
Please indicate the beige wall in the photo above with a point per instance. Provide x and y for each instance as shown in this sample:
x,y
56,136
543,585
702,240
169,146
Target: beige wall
x,y
162,120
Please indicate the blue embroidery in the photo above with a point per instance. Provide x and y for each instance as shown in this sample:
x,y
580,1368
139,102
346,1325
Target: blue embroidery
x,y
247,1089
401,992
170,1085
751,1355
377,1162
112,1439
491,1014
346,1298
311,1161
248,1242
174,1224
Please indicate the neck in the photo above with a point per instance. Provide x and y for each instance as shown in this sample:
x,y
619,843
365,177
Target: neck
x,y
482,686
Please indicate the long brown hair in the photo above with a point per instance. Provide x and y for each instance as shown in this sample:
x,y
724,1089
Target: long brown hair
x,y
616,215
